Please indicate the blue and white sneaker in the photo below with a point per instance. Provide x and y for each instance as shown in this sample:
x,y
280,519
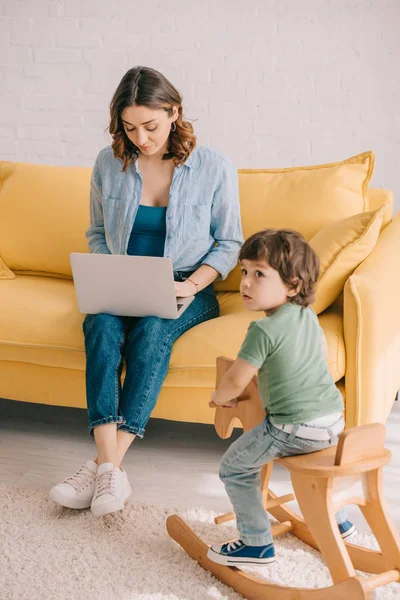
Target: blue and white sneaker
x,y
346,529
238,553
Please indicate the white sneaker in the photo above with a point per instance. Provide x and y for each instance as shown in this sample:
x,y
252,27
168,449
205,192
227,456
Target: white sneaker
x,y
112,490
76,491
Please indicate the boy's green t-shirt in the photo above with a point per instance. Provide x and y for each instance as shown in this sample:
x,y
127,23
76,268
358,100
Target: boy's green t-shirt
x,y
293,378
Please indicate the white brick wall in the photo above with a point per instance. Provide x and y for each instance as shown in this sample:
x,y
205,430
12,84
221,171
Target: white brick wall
x,y
272,83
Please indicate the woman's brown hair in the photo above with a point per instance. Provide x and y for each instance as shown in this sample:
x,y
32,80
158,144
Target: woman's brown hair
x,y
287,252
142,86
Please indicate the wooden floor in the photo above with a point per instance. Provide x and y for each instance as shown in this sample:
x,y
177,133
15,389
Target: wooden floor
x,y
175,465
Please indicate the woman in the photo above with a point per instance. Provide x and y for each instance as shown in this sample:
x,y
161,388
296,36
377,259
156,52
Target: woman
x,y
153,193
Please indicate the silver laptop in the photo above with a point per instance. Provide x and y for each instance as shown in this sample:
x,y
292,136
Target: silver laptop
x,y
124,285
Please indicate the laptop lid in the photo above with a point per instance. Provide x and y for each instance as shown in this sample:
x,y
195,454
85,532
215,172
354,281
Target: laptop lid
x,y
124,285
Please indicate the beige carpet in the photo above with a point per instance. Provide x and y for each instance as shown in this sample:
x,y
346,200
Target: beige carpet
x,y
52,553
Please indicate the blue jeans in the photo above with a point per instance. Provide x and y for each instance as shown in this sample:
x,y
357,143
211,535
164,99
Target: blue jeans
x,y
146,344
240,472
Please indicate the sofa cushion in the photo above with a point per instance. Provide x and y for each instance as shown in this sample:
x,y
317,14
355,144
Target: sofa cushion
x,y
341,247
40,324
301,198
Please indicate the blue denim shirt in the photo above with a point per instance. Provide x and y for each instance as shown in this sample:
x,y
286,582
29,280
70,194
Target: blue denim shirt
x,y
203,209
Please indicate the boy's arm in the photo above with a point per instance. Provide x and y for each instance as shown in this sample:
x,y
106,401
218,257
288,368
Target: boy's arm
x,y
233,383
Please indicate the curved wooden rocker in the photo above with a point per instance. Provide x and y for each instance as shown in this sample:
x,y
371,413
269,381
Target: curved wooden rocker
x,y
323,482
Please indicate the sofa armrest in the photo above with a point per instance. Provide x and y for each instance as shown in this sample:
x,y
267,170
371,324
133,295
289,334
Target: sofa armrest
x,y
372,332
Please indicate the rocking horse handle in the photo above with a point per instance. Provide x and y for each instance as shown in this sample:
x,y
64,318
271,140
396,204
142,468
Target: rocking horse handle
x,y
223,365
242,398
249,410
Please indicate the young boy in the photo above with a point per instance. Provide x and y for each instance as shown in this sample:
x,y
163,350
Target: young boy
x,y
304,407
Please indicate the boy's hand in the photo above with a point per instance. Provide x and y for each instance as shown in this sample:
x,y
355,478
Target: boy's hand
x,y
233,384
227,404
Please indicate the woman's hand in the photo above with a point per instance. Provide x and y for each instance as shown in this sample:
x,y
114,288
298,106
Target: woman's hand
x,y
183,289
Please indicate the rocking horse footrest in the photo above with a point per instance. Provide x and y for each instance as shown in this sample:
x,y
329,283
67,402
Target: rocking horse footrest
x,y
376,581
279,501
281,528
230,516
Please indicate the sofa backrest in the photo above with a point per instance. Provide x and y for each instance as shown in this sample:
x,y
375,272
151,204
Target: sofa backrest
x,y
44,214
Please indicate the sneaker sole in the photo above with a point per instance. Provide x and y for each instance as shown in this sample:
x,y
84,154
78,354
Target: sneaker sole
x,y
348,533
110,507
228,561
74,503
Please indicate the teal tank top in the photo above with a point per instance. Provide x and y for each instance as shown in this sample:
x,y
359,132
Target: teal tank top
x,y
148,232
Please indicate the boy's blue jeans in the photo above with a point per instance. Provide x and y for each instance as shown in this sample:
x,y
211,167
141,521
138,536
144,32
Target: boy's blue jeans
x,y
146,344
240,472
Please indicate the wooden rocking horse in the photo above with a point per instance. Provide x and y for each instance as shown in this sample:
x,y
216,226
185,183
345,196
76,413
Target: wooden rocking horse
x,y
323,482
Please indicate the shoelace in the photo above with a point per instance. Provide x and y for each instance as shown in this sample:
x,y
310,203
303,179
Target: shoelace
x,y
234,545
104,483
81,479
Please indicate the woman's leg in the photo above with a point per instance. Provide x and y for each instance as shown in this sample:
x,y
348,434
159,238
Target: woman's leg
x,y
147,351
106,442
104,340
124,440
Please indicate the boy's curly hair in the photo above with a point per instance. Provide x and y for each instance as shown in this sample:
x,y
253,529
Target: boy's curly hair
x,y
287,252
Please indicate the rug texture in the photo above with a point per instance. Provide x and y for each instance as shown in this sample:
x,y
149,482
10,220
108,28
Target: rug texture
x,y
52,553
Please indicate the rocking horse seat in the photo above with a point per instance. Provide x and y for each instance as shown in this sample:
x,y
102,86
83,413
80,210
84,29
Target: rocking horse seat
x,y
322,463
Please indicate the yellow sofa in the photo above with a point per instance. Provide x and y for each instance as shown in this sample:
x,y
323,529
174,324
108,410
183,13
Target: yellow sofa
x,y
44,213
